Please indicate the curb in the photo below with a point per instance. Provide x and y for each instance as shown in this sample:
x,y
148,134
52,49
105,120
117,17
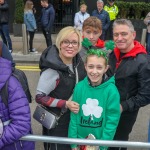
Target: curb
x,y
19,57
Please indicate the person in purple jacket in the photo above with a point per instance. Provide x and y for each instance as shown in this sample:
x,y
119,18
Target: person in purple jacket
x,y
16,116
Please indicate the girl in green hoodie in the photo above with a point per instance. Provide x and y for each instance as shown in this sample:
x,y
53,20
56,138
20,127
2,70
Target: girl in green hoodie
x,y
99,102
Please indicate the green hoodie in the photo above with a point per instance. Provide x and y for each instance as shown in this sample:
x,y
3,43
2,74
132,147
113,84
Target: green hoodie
x,y
99,111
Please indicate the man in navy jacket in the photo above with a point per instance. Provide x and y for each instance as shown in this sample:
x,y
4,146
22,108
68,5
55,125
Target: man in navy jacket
x,y
47,20
103,16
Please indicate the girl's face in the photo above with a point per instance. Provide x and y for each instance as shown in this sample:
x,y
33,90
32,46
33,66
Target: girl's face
x,y
95,67
92,34
69,47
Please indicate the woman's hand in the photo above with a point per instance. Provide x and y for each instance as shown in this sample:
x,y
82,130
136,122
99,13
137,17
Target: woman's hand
x,y
74,149
73,106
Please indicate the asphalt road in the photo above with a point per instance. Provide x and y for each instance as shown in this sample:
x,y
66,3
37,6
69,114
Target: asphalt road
x,y
140,130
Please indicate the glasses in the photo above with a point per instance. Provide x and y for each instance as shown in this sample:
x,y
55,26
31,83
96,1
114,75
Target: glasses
x,y
73,43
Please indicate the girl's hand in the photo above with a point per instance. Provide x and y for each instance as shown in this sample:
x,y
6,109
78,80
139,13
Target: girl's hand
x,y
73,106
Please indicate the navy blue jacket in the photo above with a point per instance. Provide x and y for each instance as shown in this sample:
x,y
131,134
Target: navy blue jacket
x,y
4,13
104,17
47,17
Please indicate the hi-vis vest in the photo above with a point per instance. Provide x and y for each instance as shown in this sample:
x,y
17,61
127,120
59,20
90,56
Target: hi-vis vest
x,y
112,10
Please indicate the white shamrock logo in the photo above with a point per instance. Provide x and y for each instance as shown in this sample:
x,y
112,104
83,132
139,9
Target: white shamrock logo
x,y
91,108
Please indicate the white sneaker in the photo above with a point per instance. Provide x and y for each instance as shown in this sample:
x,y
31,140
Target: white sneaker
x,y
10,50
33,49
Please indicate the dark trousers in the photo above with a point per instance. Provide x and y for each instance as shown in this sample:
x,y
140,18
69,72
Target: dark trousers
x,y
103,35
148,43
60,131
110,31
47,35
31,36
4,32
124,128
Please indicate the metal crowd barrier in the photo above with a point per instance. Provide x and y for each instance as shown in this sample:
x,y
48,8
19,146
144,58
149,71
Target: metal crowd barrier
x,y
61,140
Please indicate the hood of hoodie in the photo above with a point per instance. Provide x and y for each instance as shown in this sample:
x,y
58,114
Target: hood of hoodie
x,y
5,71
137,49
50,59
100,43
105,82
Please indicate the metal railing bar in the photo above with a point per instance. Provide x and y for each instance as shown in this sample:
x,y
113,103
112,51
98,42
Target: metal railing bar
x,y
62,140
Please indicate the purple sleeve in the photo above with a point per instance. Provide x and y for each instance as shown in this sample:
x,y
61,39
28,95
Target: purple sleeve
x,y
18,112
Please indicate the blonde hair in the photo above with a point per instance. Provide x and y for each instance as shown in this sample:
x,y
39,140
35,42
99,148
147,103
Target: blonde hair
x,y
64,33
28,5
83,5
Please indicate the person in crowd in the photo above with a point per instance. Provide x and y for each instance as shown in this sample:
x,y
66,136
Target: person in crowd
x,y
30,23
15,116
80,17
103,15
47,20
62,65
99,102
91,31
4,26
147,22
112,10
130,64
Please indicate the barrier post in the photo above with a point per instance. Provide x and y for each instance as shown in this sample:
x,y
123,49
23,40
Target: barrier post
x,y
24,40
143,38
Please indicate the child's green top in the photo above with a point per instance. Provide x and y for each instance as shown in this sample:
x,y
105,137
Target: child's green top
x,y
99,110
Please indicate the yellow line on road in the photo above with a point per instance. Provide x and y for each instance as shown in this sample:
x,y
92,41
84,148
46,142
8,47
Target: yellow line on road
x,y
28,68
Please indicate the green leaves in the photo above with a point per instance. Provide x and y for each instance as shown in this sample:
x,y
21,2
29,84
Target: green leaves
x,y
19,11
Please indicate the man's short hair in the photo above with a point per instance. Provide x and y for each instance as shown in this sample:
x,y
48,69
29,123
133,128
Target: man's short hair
x,y
44,1
93,22
100,1
124,22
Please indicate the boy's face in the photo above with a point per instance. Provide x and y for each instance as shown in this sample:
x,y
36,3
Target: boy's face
x,y
1,1
92,34
95,67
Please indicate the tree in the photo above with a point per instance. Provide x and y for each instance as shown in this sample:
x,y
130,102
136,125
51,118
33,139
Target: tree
x,y
19,11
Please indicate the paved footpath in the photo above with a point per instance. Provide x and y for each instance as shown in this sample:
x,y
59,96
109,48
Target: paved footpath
x,y
39,43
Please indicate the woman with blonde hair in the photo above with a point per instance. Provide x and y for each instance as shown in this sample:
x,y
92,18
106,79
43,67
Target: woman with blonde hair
x,y
30,23
62,67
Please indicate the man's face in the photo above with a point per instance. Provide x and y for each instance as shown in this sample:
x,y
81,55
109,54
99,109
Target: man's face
x,y
123,38
1,1
110,3
100,5
43,4
92,34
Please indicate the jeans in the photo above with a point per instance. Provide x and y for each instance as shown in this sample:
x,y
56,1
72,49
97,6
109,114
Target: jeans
x,y
47,35
148,43
4,32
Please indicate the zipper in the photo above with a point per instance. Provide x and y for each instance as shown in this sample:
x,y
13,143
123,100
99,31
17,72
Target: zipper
x,y
21,144
15,146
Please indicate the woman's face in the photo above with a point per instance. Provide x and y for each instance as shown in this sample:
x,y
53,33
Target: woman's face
x,y
95,67
69,47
